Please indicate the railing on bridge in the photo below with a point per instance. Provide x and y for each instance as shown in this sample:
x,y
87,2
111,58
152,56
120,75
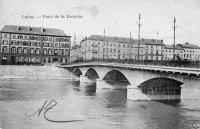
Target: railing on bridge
x,y
171,63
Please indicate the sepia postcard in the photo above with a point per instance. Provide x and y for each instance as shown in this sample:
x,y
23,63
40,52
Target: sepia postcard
x,y
99,64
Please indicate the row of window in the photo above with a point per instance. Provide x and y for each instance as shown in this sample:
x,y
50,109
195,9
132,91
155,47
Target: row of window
x,y
34,37
34,51
45,44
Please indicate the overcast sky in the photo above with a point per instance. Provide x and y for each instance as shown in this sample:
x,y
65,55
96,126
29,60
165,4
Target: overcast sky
x,y
116,16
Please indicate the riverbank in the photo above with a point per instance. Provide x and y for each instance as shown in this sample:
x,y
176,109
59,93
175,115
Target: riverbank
x,y
33,72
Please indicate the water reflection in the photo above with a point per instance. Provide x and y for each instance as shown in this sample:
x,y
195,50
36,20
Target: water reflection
x,y
98,108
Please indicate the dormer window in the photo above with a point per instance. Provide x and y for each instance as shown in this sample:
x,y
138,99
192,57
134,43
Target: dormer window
x,y
43,30
18,28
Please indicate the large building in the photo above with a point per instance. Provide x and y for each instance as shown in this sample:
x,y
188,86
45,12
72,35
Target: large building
x,y
191,51
121,48
154,49
172,52
106,47
33,45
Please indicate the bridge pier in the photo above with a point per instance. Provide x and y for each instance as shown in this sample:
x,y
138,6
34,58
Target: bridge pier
x,y
102,84
134,93
85,79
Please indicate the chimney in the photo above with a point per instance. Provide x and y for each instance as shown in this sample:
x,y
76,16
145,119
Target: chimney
x,y
42,30
29,28
18,28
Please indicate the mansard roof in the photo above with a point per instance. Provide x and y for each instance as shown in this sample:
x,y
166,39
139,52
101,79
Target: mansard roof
x,y
110,39
33,30
126,40
152,42
188,45
172,47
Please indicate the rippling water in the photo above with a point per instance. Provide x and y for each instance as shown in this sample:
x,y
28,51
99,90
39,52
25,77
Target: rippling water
x,y
96,109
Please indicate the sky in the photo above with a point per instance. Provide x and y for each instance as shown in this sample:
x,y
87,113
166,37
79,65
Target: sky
x,y
116,17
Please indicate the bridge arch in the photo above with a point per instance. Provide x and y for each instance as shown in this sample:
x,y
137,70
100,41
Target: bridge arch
x,y
77,72
116,77
161,86
92,74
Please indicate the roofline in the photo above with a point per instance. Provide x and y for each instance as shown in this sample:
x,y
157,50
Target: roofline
x,y
34,34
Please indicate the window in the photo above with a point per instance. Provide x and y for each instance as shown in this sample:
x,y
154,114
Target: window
x,y
45,38
118,45
5,41
19,42
13,50
25,37
37,51
45,51
20,37
56,52
5,35
25,43
57,39
5,49
13,42
14,36
50,44
62,45
25,51
56,45
66,52
19,50
50,38
45,44
32,50
50,51
61,52
32,37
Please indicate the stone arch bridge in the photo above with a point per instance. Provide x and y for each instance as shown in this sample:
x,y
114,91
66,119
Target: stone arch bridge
x,y
142,82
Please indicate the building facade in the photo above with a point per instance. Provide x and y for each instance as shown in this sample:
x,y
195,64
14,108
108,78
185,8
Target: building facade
x,y
154,49
33,45
107,47
170,52
75,54
191,51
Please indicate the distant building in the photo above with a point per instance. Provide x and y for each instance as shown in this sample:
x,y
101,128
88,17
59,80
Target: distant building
x,y
75,54
122,48
154,49
107,47
33,45
169,52
191,51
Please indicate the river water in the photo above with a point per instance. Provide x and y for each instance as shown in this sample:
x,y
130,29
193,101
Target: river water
x,y
93,109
